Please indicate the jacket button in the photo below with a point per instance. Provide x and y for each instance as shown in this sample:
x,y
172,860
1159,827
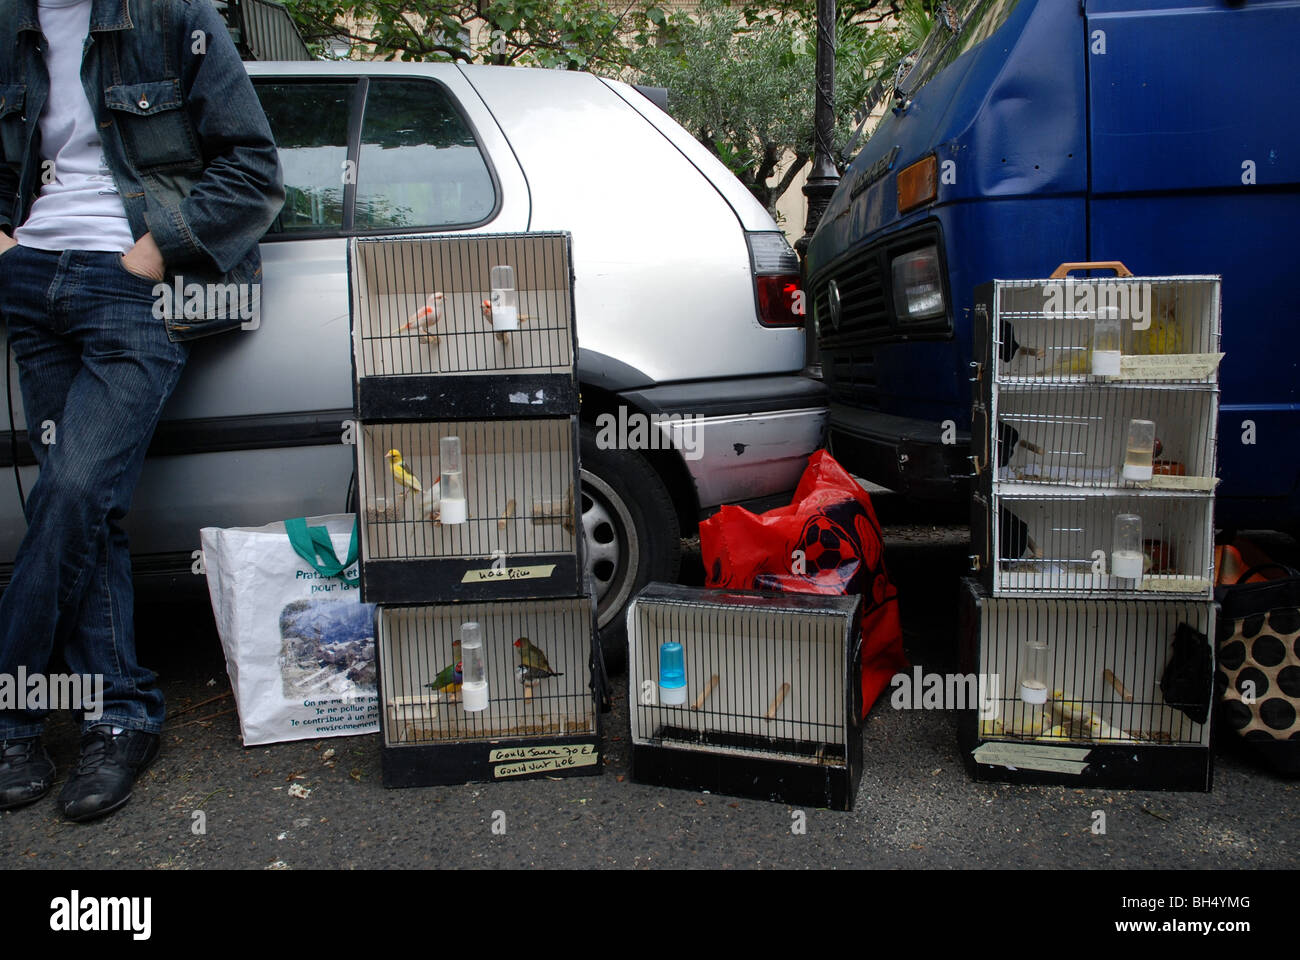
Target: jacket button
x,y
144,103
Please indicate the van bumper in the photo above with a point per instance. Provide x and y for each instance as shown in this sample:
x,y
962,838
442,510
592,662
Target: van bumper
x,y
747,438
906,455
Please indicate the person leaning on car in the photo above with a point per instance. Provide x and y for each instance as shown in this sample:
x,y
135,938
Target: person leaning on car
x,y
134,152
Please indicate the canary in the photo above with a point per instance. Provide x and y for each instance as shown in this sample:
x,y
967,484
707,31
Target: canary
x,y
533,666
424,319
1164,333
403,476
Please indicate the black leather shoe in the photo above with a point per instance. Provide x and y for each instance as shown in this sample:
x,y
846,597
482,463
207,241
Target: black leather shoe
x,y
26,773
108,766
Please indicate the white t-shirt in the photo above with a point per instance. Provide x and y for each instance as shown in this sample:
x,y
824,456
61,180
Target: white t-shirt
x,y
79,208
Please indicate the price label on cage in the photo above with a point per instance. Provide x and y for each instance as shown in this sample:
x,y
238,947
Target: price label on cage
x,y
1033,756
517,761
1168,482
1169,366
490,574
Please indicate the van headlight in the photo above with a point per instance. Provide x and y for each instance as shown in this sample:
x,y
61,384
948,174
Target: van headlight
x,y
918,285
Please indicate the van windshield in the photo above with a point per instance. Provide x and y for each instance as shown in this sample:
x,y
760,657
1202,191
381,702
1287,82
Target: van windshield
x,y
959,26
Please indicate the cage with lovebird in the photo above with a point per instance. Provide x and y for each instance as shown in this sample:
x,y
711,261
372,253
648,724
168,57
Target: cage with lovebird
x,y
488,691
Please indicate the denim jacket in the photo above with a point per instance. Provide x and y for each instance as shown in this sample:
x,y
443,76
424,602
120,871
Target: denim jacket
x,y
184,136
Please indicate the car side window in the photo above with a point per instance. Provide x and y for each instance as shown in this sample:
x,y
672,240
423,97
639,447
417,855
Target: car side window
x,y
419,164
309,120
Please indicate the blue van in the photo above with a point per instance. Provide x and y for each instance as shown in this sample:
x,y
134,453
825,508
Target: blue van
x,y
1029,133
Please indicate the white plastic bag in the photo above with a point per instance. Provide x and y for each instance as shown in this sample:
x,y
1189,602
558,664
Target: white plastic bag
x,y
299,644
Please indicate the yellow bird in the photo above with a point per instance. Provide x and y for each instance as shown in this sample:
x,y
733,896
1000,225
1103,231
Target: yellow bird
x,y
1164,333
403,476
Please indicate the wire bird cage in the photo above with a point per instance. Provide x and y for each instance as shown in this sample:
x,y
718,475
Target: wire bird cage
x,y
488,691
1094,693
1069,445
1116,546
1130,330
464,510
1103,437
473,326
743,693
1093,446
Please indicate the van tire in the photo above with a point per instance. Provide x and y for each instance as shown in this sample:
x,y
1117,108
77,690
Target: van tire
x,y
631,536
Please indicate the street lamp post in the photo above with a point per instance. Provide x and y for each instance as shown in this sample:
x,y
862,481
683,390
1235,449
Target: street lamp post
x,y
824,175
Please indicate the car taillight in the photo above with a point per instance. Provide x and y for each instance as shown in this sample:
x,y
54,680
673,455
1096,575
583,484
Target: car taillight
x,y
777,289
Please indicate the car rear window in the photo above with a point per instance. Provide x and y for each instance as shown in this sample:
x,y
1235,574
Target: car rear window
x,y
310,122
419,164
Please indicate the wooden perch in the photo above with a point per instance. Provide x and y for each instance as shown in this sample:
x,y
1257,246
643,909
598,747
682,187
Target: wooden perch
x,y
708,689
776,704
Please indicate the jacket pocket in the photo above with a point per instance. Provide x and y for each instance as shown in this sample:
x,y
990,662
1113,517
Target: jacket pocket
x,y
13,122
213,303
153,123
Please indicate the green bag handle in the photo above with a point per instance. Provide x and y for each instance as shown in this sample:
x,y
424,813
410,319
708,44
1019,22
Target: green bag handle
x,y
313,544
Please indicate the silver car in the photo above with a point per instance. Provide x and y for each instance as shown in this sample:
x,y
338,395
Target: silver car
x,y
684,296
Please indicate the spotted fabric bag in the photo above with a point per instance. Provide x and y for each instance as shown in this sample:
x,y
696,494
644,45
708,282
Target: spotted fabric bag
x,y
1258,671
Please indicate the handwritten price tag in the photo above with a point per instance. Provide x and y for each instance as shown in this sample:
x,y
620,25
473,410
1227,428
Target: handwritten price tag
x,y
491,574
515,761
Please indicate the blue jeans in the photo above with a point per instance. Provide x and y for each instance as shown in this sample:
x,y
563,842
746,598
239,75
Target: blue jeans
x,y
95,368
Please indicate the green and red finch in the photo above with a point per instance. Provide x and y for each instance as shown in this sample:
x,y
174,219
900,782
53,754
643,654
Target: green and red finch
x,y
449,678
533,666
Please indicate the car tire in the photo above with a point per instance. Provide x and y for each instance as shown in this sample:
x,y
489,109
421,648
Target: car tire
x,y
631,537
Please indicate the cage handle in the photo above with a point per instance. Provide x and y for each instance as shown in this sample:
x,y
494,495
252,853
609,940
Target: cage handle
x,y
1119,268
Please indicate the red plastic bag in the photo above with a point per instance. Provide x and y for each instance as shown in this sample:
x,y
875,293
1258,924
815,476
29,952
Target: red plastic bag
x,y
826,541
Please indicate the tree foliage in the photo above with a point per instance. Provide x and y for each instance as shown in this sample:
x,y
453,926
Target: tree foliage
x,y
742,79
740,75
569,34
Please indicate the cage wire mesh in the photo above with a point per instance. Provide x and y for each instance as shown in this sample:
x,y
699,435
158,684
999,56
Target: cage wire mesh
x,y
537,657
1100,675
428,305
518,479
1146,329
1067,545
762,678
1106,436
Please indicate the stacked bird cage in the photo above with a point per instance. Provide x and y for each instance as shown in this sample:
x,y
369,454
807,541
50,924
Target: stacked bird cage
x,y
464,352
1093,436
744,693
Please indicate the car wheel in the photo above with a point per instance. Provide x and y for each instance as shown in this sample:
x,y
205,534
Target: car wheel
x,y
631,537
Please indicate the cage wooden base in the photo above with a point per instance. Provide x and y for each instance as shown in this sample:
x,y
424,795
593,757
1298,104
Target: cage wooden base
x,y
454,579
510,396
492,761
833,786
1108,766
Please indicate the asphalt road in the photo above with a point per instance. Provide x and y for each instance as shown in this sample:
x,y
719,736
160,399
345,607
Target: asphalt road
x,y
916,805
